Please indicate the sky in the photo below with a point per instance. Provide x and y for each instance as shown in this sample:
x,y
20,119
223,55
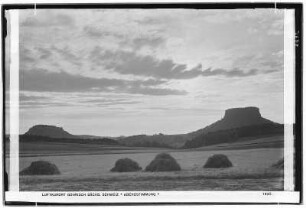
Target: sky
x,y
121,72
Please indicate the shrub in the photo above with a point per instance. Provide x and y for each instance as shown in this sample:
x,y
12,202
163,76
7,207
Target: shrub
x,y
126,165
218,161
163,162
40,168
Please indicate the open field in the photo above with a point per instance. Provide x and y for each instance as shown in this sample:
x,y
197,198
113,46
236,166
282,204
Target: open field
x,y
36,149
179,183
56,149
86,167
256,142
92,172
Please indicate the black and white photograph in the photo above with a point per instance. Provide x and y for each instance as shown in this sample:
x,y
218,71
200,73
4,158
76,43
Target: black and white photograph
x,y
150,100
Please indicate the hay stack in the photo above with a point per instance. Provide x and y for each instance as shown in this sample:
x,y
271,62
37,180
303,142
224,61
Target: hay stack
x,y
218,161
163,162
126,165
41,168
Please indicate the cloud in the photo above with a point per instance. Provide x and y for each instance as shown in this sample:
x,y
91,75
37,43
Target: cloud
x,y
149,21
44,81
242,15
104,100
155,91
37,101
134,42
126,63
25,56
98,32
44,53
146,41
49,56
276,28
47,19
43,104
151,41
109,102
67,55
26,98
29,101
236,72
266,62
232,73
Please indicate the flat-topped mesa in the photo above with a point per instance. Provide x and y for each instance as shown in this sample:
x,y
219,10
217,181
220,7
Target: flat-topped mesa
x,y
237,124
242,114
49,131
238,117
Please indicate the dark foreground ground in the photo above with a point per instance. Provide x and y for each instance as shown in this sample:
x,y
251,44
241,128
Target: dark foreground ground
x,y
154,184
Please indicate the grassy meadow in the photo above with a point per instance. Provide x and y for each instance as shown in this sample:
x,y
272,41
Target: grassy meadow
x,y
85,168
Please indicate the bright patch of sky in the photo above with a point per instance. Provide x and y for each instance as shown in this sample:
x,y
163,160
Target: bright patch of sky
x,y
124,72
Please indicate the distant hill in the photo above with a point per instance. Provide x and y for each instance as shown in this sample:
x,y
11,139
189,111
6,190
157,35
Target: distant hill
x,y
157,140
234,119
237,123
244,133
44,139
49,131
56,132
89,137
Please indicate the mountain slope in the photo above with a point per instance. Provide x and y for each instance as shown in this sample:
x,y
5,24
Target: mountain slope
x,y
228,136
237,123
49,131
235,118
157,140
43,139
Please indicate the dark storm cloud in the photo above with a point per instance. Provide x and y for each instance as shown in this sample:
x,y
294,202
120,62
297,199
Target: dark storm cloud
x,y
124,62
47,19
44,81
